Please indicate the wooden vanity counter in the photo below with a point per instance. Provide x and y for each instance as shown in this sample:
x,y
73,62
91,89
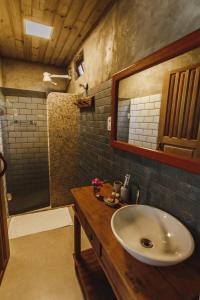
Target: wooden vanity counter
x,y
108,264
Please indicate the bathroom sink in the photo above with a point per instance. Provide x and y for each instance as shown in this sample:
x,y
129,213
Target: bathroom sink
x,y
152,235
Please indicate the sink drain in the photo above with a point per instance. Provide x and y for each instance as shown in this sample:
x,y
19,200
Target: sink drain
x,y
146,243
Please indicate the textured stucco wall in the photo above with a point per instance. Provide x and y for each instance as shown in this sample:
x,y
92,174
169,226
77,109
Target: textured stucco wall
x,y
28,76
146,26
132,30
151,81
63,146
98,54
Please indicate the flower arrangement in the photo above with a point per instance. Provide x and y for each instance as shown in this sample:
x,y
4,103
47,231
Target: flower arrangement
x,y
97,184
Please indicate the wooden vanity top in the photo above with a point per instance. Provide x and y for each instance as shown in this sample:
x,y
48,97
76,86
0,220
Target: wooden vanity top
x,y
130,278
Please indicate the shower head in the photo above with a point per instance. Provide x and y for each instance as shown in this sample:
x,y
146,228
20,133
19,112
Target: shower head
x,y
47,77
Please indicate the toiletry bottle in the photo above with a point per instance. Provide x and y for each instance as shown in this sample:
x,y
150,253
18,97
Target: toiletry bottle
x,y
124,192
117,197
113,195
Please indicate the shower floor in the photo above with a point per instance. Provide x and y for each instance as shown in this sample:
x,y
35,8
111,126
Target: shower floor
x,y
28,200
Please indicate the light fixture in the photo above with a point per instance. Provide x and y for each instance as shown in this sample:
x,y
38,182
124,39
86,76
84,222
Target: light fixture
x,y
38,30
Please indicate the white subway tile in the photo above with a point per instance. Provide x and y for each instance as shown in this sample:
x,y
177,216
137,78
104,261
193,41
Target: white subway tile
x,y
139,119
157,112
148,119
132,130
135,137
157,104
139,131
144,99
141,138
153,146
140,106
151,139
144,113
148,132
133,101
147,145
133,106
155,132
153,125
134,112
152,112
149,105
155,98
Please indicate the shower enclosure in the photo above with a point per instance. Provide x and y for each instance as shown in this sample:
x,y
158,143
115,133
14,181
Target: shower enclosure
x,y
25,146
40,145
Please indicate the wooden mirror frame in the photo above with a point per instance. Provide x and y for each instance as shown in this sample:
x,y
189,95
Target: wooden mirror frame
x,y
185,44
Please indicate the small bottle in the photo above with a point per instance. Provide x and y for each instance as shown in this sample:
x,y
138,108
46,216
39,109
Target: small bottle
x,y
117,196
124,194
113,195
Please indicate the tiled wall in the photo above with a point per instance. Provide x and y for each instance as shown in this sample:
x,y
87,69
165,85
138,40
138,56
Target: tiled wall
x,y
123,120
25,143
2,105
168,188
2,111
1,138
144,121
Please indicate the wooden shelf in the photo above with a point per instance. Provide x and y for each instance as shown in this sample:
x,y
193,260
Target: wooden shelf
x,y
85,102
93,281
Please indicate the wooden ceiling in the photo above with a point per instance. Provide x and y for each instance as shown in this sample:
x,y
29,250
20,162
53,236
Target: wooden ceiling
x,y
72,20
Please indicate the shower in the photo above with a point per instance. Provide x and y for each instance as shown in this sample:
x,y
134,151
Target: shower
x,y
47,77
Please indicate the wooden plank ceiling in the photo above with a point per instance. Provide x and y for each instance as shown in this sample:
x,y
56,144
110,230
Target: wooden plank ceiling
x,y
72,21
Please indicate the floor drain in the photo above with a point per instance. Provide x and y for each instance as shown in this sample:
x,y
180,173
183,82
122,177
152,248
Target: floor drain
x,y
146,243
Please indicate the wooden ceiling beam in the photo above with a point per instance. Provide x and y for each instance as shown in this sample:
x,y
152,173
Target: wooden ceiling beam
x,y
48,9
37,16
85,14
100,10
69,24
72,21
14,9
7,40
58,23
26,6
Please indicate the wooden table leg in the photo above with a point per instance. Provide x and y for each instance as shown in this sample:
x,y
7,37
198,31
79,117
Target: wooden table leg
x,y
77,238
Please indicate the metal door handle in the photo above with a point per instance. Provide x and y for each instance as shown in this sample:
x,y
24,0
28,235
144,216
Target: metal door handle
x,y
4,165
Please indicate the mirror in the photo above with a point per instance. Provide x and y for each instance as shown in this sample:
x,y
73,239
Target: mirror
x,y
156,105
160,106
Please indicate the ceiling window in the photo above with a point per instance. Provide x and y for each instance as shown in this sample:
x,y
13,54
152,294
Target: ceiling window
x,y
38,30
79,65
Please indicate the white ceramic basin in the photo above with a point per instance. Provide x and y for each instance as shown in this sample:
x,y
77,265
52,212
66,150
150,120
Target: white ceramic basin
x,y
152,235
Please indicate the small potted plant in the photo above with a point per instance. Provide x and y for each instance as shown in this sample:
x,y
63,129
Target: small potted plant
x,y
97,184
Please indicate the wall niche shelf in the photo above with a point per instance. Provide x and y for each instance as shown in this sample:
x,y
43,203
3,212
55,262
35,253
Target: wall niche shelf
x,y
85,102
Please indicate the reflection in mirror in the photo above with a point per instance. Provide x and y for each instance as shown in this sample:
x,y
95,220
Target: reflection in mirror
x,y
159,108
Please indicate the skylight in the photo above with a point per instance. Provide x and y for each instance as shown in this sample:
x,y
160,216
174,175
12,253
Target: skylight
x,y
37,29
